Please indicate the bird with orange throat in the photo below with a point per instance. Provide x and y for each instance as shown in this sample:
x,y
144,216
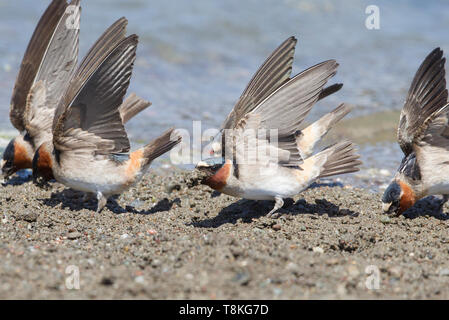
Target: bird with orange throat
x,y
258,166
90,150
49,61
423,135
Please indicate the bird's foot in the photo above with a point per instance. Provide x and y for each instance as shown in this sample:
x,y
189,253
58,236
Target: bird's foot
x,y
101,201
278,204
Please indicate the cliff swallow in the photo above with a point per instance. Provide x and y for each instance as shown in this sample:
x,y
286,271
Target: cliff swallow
x,y
255,166
90,148
49,61
423,135
128,109
37,116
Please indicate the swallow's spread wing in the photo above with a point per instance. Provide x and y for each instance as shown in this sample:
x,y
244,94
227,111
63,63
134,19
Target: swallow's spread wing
x,y
32,60
88,120
430,149
38,114
53,76
434,136
426,95
252,148
285,109
273,73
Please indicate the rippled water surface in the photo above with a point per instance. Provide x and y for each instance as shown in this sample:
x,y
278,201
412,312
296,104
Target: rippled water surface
x,y
196,57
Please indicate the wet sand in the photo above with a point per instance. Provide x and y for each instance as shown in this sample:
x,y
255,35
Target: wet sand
x,y
169,238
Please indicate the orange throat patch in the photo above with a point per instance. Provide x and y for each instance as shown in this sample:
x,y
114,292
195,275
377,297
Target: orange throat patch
x,y
219,179
45,164
408,198
22,159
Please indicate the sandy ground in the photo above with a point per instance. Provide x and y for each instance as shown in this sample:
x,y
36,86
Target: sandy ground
x,y
171,239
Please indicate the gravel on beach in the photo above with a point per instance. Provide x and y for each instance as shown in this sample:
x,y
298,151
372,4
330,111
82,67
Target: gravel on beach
x,y
172,238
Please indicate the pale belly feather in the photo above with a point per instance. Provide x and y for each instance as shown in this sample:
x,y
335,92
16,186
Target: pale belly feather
x,y
266,188
104,177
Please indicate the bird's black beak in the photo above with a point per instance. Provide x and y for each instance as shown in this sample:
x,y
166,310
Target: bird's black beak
x,y
6,174
210,165
4,179
40,181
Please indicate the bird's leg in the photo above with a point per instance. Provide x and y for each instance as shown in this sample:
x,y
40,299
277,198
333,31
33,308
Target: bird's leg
x,y
443,201
101,201
278,204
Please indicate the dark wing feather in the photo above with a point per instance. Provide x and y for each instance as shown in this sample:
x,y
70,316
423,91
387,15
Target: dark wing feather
x,y
330,90
97,53
431,146
61,58
426,95
285,109
132,106
273,73
52,79
32,60
111,37
92,122
435,131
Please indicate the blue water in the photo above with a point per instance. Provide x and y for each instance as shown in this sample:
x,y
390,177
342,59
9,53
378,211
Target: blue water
x,y
196,57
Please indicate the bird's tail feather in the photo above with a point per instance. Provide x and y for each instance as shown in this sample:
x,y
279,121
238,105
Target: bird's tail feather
x,y
308,138
160,145
337,159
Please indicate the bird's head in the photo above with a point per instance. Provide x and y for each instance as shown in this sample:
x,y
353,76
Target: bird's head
x,y
17,155
398,197
215,175
209,167
43,161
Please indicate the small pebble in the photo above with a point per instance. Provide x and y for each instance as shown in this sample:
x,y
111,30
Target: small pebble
x,y
318,250
73,235
107,281
139,279
28,217
444,272
385,219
